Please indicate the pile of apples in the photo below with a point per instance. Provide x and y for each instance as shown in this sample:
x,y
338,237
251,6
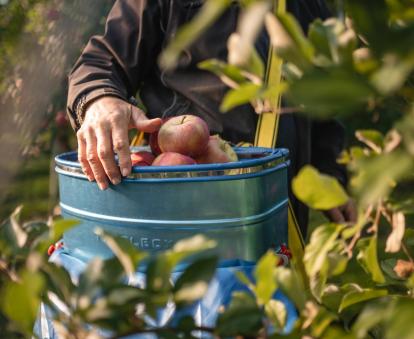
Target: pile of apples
x,y
184,140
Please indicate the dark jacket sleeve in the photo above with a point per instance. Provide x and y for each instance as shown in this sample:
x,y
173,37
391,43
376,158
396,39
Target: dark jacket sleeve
x,y
117,62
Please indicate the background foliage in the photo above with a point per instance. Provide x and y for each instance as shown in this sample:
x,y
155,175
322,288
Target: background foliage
x,y
359,277
39,42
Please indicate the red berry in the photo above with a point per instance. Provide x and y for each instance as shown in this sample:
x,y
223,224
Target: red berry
x,y
51,249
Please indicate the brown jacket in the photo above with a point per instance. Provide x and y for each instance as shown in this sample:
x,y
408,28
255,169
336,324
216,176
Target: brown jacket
x,y
123,62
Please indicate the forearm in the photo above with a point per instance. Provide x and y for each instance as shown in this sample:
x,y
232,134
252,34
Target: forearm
x,y
116,63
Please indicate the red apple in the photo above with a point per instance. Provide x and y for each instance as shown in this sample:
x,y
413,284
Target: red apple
x,y
153,140
172,159
142,158
218,151
185,134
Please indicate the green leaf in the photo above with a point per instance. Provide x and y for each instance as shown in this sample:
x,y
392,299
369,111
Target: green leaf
x,y
244,279
370,19
322,38
371,184
316,259
318,318
358,296
368,258
256,65
13,237
241,50
406,129
318,191
287,37
333,41
373,314
395,315
90,277
221,69
327,93
392,75
337,263
58,281
290,283
335,332
193,283
61,226
372,138
239,96
21,301
322,241
158,274
128,255
401,320
276,312
264,274
410,282
198,245
388,267
123,295
242,317
317,282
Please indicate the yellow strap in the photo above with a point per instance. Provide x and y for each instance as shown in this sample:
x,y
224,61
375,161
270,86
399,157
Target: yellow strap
x,y
138,139
266,136
268,122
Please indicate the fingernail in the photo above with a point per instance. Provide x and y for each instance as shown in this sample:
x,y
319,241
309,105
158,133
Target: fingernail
x,y
90,178
125,172
116,181
103,187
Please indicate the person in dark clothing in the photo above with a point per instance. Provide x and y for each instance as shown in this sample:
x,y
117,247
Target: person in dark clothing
x,y
115,66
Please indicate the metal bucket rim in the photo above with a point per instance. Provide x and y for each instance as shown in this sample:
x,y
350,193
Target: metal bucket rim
x,y
271,155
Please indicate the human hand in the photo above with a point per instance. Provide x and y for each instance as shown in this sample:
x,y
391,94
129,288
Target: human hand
x,y
344,213
103,133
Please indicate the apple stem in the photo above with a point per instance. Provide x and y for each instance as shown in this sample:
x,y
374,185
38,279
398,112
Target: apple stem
x,y
182,121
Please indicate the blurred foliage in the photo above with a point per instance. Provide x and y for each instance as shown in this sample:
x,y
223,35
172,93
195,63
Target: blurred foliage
x,y
359,277
39,42
360,70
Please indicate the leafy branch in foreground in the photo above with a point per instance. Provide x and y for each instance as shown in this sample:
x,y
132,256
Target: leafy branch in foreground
x,y
361,67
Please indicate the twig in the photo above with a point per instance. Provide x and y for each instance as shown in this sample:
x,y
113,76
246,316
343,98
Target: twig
x,y
10,273
357,235
375,224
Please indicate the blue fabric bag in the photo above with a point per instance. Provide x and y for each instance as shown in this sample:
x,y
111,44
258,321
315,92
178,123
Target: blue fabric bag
x,y
205,311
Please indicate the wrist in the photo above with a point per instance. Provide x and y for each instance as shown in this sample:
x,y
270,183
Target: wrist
x,y
84,101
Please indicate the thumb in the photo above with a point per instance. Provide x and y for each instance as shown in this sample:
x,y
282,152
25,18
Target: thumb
x,y
140,121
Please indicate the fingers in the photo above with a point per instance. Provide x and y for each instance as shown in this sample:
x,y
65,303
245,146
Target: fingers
x,y
345,213
82,156
120,143
335,215
94,160
106,154
350,211
105,131
142,123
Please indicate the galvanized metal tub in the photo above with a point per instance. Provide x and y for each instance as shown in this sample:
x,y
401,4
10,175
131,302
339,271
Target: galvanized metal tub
x,y
242,205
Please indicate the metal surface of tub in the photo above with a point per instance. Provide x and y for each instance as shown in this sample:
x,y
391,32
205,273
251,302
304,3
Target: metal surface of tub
x,y
242,205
